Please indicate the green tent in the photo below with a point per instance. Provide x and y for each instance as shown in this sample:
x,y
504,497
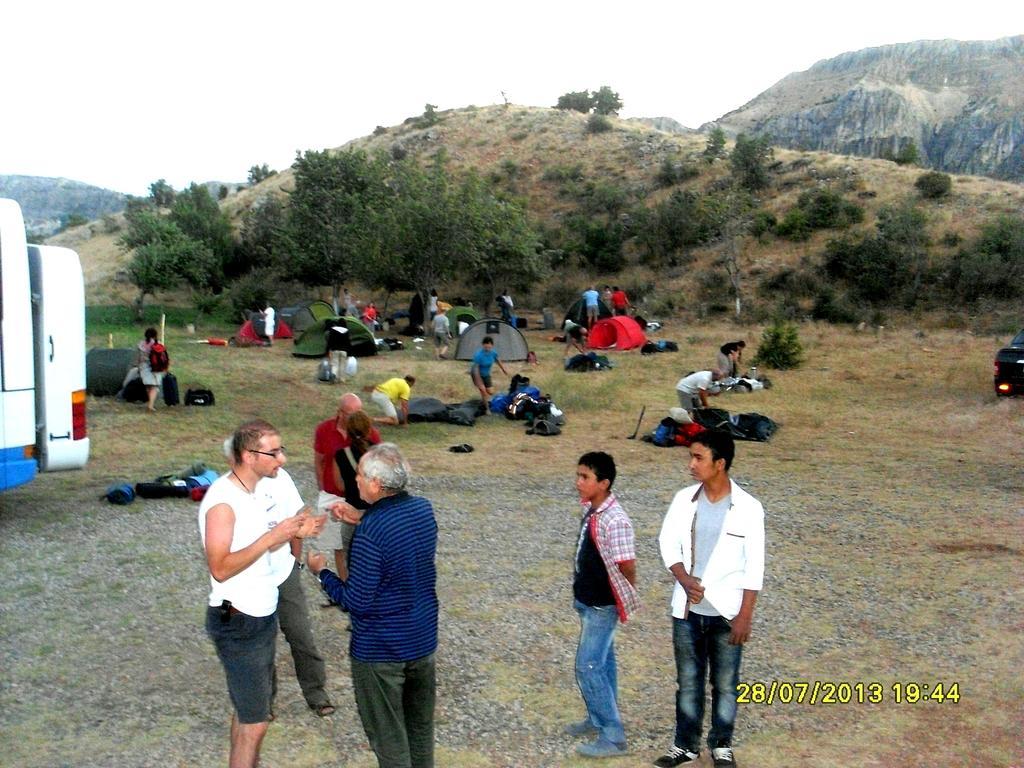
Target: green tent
x,y
457,315
346,334
306,315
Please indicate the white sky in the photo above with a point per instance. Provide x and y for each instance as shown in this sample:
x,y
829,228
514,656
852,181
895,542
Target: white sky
x,y
121,93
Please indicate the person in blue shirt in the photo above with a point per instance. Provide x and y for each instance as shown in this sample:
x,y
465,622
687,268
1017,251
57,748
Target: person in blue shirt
x,y
480,371
391,596
591,298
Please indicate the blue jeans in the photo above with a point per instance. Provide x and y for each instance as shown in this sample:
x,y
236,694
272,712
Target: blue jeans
x,y
701,644
596,672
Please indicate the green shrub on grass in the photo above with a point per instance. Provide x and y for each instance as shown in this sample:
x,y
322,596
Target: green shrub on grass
x,y
780,347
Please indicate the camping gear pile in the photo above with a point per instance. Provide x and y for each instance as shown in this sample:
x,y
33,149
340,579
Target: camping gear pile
x,y
191,482
524,402
591,361
680,427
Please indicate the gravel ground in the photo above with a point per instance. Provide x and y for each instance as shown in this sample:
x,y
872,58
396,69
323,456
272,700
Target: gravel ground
x,y
105,662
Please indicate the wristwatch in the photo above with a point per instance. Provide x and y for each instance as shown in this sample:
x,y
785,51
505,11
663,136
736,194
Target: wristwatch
x,y
301,565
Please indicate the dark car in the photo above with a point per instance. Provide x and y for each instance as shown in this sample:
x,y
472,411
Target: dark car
x,y
1009,367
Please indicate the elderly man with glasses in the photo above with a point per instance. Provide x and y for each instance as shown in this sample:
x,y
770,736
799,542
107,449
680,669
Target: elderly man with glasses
x,y
391,595
246,536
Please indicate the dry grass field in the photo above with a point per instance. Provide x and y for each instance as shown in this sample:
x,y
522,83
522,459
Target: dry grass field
x,y
893,493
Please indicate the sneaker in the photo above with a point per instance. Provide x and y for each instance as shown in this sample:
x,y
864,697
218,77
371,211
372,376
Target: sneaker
x,y
602,748
676,756
582,728
722,756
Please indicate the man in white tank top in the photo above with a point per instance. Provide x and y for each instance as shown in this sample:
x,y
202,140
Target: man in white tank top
x,y
241,530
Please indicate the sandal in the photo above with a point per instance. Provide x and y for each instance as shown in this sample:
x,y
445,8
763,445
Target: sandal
x,y
324,710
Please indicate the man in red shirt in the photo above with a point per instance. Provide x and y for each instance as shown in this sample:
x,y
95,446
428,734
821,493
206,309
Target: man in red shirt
x,y
620,302
330,437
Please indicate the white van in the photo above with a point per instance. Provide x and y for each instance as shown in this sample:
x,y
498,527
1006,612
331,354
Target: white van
x,y
42,355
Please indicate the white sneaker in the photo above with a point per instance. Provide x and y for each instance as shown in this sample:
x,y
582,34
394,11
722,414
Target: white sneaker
x,y
722,756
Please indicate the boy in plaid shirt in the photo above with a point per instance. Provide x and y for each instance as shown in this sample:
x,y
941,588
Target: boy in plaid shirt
x,y
604,593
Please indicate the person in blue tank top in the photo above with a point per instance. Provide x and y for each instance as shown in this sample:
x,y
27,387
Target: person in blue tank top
x,y
480,371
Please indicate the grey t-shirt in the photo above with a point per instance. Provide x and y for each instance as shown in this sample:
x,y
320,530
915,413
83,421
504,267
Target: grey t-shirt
x,y
710,519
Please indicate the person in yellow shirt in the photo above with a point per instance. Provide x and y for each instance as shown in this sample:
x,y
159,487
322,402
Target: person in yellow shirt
x,y
391,395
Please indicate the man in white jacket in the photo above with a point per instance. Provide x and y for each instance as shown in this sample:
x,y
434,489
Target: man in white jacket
x,y
712,541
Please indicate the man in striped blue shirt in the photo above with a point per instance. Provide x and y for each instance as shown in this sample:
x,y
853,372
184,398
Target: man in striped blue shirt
x,y
391,597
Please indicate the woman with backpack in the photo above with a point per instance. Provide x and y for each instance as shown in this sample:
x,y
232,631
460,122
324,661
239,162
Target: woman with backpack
x,y
153,362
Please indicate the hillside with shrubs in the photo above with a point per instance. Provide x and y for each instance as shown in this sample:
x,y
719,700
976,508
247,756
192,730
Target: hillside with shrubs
x,y
546,200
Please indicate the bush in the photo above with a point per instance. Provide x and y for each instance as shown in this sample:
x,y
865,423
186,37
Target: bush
x,y
563,173
780,347
763,223
674,172
831,308
380,129
826,209
933,185
794,226
598,124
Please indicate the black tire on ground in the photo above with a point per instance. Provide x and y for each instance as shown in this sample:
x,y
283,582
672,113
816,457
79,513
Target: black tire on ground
x,y
105,369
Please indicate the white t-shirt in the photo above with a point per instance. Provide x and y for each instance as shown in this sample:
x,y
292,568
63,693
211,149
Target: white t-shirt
x,y
268,321
252,591
697,381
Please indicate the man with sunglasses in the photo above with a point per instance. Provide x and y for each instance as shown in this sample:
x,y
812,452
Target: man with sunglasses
x,y
245,538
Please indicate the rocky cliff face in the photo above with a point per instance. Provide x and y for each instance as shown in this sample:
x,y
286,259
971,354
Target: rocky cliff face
x,y
962,103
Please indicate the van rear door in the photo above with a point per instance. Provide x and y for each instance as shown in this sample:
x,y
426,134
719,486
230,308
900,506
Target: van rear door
x,y
58,318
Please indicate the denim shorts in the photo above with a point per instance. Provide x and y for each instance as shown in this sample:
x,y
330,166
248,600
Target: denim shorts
x,y
245,645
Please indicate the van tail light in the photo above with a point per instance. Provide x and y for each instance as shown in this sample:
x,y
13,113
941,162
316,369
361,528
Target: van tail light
x,y
78,425
1003,387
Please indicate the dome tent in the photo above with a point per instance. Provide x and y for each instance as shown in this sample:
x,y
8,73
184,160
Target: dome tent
x,y
620,332
578,312
457,315
346,334
509,343
305,315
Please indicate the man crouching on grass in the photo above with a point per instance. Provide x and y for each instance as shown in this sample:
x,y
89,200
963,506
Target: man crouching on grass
x,y
712,541
604,593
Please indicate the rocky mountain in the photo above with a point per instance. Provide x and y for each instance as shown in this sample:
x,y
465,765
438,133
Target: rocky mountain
x,y
961,103
48,203
664,124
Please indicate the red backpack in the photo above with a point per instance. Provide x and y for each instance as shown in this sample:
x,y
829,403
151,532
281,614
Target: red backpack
x,y
159,360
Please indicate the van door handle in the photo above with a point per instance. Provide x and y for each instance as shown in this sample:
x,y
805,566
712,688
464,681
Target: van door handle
x,y
51,349
66,436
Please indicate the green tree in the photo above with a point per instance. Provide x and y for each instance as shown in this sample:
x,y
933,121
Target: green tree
x,y
749,161
258,173
904,229
715,147
330,214
908,154
780,346
199,218
161,193
260,235
158,249
579,101
606,101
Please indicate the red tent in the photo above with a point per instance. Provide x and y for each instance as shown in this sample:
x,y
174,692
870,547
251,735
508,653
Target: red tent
x,y
620,332
247,334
